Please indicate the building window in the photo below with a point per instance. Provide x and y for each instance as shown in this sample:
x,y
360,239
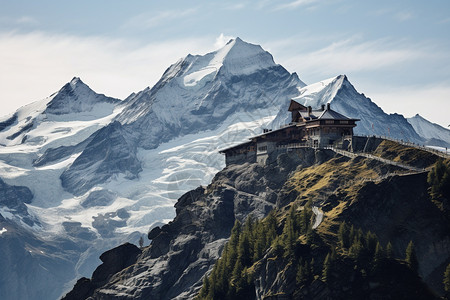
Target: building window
x,y
343,122
262,149
329,121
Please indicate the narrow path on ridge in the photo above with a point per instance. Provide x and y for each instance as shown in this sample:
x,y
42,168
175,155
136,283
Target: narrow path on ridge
x,y
367,155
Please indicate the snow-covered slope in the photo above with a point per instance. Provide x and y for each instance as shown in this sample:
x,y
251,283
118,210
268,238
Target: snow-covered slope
x,y
64,115
37,142
200,92
344,98
195,94
434,134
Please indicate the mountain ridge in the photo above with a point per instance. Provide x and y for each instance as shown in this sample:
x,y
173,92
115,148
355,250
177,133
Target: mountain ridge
x,y
344,98
110,169
172,267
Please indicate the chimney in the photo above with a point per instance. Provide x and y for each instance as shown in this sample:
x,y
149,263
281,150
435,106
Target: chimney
x,y
328,106
323,106
309,110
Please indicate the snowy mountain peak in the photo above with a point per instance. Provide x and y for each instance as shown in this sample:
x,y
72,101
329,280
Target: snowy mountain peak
x,y
345,99
75,81
76,97
76,85
235,58
203,90
435,134
417,116
322,92
246,58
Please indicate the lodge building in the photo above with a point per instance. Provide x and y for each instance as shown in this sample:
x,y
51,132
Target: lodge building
x,y
308,128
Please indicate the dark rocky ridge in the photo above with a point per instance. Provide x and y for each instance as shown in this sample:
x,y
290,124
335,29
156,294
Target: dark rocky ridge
x,y
185,249
113,260
76,97
111,150
8,122
182,251
52,155
14,198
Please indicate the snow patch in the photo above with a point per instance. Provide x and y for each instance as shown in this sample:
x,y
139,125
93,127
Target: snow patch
x,y
320,92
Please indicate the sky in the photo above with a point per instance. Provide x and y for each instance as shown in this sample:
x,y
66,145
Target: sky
x,y
395,52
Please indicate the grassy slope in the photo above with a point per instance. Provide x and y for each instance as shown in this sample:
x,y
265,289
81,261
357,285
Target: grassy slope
x,y
348,189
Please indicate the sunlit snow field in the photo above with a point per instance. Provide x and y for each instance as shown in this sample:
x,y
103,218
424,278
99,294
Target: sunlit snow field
x,y
168,171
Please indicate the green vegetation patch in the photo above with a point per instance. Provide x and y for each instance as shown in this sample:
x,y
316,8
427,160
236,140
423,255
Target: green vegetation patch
x,y
405,154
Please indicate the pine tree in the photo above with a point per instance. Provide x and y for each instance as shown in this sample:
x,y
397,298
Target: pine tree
x,y
352,234
378,258
389,251
356,250
305,221
439,180
270,226
289,234
371,241
327,267
205,288
411,257
259,241
344,235
312,270
301,273
447,279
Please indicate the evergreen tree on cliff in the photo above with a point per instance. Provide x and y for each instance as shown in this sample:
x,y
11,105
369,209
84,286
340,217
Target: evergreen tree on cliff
x,y
411,257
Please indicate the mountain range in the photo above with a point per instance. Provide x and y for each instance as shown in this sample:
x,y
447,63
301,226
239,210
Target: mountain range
x,y
81,172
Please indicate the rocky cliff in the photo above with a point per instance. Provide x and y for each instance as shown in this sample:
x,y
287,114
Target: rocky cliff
x,y
373,196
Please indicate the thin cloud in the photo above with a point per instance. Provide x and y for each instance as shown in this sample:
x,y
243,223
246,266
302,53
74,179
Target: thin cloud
x,y
380,12
151,20
348,56
295,4
444,21
235,6
21,21
221,40
403,16
26,20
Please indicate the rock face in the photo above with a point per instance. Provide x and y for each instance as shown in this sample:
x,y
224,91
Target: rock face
x,y
76,97
110,151
13,198
8,122
113,260
399,210
185,249
396,208
33,268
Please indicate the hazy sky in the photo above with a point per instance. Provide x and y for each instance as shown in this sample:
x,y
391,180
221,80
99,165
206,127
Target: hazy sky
x,y
395,52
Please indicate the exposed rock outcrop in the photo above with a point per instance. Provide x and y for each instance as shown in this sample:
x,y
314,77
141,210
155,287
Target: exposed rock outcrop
x,y
182,251
361,191
113,260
